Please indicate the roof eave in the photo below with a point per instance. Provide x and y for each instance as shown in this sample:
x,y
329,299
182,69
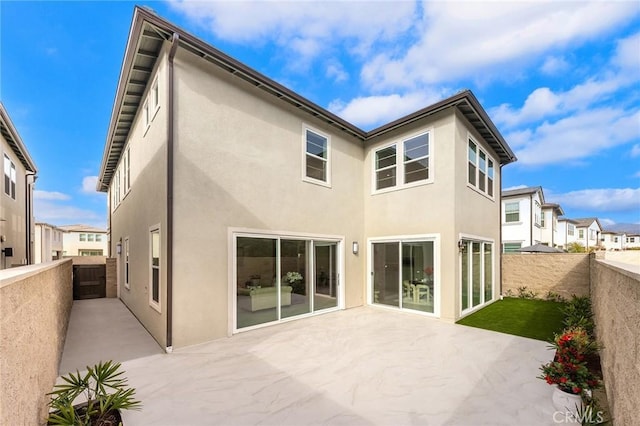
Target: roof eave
x,y
10,133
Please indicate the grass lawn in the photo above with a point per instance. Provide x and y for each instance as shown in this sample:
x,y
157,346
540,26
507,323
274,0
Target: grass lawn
x,y
537,319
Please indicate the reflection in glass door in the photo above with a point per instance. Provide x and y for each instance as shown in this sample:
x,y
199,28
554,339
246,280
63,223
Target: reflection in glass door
x,y
403,275
386,270
278,278
326,276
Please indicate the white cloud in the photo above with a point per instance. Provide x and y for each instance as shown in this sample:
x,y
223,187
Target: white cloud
x,y
49,195
89,184
554,65
462,39
51,212
373,110
635,150
337,72
304,26
572,138
601,200
606,222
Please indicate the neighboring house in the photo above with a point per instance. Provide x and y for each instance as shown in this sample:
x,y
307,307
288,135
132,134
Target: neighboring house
x,y
549,224
84,240
611,240
632,241
235,203
588,230
522,218
567,232
16,208
48,243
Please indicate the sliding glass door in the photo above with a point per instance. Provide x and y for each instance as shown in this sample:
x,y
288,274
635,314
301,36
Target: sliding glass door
x,y
476,272
278,278
403,274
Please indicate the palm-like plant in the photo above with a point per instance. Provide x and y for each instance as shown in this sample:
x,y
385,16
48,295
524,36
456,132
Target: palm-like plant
x,y
105,390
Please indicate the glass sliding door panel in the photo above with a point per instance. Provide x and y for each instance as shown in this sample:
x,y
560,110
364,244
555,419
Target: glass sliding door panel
x,y
476,268
386,274
326,276
417,276
465,275
488,272
256,283
295,296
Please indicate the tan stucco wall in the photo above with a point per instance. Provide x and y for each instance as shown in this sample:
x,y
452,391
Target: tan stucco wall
x,y
477,216
13,225
35,303
142,207
563,273
238,164
615,295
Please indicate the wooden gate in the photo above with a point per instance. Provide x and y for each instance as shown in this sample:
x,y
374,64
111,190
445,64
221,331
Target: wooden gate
x,y
89,282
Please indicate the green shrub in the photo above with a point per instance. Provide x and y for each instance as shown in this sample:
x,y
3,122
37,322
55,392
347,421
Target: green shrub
x,y
578,313
555,297
525,293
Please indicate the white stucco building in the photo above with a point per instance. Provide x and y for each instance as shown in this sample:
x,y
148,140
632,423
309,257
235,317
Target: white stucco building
x,y
48,243
84,240
522,218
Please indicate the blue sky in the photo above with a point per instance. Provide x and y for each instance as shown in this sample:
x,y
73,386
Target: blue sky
x,y
561,80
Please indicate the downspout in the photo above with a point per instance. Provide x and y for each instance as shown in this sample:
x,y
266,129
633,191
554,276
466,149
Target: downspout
x,y
170,132
29,208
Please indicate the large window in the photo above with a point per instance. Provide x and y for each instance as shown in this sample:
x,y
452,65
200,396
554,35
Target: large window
x,y
512,212
481,169
414,168
154,284
9,177
282,277
476,271
317,159
571,229
404,274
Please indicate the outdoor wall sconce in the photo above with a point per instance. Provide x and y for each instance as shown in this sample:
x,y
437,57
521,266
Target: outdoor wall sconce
x,y
355,248
461,246
119,247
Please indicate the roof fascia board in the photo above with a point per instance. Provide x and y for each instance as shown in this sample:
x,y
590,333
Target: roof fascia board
x,y
28,162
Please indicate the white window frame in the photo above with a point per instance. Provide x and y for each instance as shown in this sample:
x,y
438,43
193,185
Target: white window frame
x,y
327,183
155,304
10,189
536,213
507,212
127,265
400,165
126,172
80,237
571,229
489,169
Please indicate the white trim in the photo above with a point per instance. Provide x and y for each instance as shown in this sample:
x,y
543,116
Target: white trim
x,y
400,163
234,233
437,280
155,305
305,178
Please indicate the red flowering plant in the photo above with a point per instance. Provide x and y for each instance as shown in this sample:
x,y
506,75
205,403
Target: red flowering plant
x,y
569,369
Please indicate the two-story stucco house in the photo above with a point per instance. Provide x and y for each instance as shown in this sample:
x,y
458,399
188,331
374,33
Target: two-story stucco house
x,y
549,231
632,241
611,240
522,218
84,240
236,203
567,232
588,232
48,243
16,208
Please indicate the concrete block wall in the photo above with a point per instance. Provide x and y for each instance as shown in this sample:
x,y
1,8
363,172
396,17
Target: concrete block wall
x,y
615,295
563,273
112,277
35,304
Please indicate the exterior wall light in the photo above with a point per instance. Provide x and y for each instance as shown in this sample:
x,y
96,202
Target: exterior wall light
x,y
355,248
119,247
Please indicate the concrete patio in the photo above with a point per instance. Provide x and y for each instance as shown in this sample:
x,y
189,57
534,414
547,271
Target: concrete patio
x,y
362,366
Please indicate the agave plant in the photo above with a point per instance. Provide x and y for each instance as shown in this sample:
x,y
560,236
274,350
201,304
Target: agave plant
x,y
104,391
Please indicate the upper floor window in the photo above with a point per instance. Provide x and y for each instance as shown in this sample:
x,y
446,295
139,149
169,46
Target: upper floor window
x,y
592,234
542,216
317,167
537,213
91,237
570,229
126,172
413,169
580,233
9,177
481,169
512,212
83,237
98,237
